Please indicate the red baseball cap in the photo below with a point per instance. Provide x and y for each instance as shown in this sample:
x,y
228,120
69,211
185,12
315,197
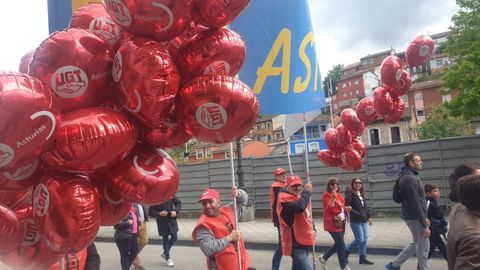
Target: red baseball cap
x,y
278,171
208,194
294,180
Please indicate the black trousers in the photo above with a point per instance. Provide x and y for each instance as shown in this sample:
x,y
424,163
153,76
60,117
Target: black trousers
x,y
128,249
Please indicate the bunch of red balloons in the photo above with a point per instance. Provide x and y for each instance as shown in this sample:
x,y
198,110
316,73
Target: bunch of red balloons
x,y
345,149
83,122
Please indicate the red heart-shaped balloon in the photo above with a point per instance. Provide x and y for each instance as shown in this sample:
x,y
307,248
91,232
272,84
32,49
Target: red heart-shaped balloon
x,y
397,113
344,137
351,121
219,51
25,61
90,139
28,119
67,211
359,146
158,19
77,65
391,70
419,51
330,138
329,158
217,108
366,110
218,13
147,79
403,85
351,160
147,176
383,100
37,256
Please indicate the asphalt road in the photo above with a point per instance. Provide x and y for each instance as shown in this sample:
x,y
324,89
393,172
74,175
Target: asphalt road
x,y
191,258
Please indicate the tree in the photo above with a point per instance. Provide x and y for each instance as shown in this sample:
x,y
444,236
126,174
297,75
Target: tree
x,y
441,123
463,45
335,73
180,154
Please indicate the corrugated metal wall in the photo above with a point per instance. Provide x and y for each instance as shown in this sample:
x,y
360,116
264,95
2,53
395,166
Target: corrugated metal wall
x,y
382,164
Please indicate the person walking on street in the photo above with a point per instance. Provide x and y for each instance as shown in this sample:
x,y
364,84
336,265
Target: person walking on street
x,y
438,223
360,215
460,171
280,183
414,213
296,225
334,216
142,234
216,232
463,242
126,238
166,216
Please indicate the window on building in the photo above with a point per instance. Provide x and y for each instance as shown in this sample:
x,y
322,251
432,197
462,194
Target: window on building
x,y
199,153
334,97
313,147
344,94
323,128
278,135
357,92
267,125
258,126
335,106
262,125
374,136
446,98
350,83
208,153
351,93
439,62
344,85
418,96
356,82
299,148
420,113
227,155
395,134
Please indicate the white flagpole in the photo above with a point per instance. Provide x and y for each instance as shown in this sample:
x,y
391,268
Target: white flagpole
x,y
239,257
288,156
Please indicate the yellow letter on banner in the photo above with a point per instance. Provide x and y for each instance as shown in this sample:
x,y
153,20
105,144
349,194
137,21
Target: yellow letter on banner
x,y
78,3
300,86
283,40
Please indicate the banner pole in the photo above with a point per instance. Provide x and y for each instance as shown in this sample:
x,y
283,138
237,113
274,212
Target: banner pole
x,y
232,166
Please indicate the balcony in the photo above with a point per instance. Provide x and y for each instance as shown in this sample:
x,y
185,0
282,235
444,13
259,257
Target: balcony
x,y
300,137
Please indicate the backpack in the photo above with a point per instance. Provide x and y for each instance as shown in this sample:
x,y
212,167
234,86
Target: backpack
x,y
396,195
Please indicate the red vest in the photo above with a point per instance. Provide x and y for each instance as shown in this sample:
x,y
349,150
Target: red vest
x,y
302,225
272,195
221,226
73,261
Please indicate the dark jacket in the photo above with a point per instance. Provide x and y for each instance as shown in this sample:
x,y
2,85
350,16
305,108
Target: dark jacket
x,y
93,259
123,230
414,205
276,190
360,213
166,225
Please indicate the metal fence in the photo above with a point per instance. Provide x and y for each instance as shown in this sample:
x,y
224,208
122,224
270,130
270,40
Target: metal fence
x,y
381,166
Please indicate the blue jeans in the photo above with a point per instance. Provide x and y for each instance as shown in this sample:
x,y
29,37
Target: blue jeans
x,y
277,254
360,230
300,260
168,243
338,247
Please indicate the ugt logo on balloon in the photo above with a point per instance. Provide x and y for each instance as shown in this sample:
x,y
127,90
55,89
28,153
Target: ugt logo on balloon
x,y
120,11
117,67
218,67
69,82
41,200
6,155
211,116
24,172
106,28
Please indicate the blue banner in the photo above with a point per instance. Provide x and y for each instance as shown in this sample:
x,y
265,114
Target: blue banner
x,y
281,65
60,12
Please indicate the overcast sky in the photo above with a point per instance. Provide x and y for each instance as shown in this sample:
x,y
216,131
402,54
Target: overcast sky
x,y
345,30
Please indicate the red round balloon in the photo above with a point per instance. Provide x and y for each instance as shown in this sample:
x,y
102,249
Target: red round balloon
x,y
397,113
366,111
13,198
30,231
147,176
90,139
391,70
330,139
21,177
113,207
329,158
359,146
383,100
67,211
37,256
351,160
219,51
10,230
174,45
147,79
158,19
217,108
28,119
77,65
419,51
25,61
351,121
403,85
167,135
218,13
94,17
344,137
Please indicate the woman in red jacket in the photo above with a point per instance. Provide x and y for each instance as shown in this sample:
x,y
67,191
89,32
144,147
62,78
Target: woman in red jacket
x,y
334,213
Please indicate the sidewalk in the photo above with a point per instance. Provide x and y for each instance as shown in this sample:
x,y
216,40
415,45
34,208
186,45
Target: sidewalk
x,y
386,236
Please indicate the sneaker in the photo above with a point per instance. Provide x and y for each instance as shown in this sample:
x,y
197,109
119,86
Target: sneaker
x,y
170,263
346,268
323,262
163,256
389,266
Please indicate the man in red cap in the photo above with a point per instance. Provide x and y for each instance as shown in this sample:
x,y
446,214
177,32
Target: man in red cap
x,y
280,182
296,225
216,233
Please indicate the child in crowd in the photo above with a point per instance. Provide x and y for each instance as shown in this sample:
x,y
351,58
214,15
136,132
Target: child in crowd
x,y
438,223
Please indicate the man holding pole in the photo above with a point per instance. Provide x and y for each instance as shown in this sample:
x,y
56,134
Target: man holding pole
x,y
279,183
296,225
217,234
